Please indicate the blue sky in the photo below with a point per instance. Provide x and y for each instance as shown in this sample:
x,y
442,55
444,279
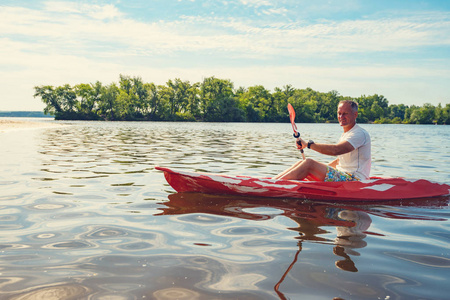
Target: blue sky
x,y
399,49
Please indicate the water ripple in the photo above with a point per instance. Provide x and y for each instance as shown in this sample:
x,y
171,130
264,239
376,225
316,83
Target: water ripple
x,y
84,215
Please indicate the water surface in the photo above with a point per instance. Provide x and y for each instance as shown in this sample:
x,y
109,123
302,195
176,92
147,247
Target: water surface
x,y
84,215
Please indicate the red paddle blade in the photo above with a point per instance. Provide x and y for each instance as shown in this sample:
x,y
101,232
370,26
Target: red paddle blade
x,y
292,117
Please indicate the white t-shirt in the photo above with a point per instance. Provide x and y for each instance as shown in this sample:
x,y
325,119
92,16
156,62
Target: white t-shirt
x,y
359,160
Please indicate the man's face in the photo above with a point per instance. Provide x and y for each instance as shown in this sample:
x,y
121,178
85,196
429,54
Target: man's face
x,y
346,116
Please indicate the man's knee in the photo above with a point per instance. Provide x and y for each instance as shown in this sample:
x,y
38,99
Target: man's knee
x,y
310,163
316,168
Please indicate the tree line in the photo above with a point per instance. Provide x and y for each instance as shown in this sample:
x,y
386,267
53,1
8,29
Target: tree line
x,y
216,100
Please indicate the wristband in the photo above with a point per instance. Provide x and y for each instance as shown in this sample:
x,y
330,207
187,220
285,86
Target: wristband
x,y
310,143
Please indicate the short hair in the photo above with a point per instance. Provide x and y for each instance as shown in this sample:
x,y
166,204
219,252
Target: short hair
x,y
353,104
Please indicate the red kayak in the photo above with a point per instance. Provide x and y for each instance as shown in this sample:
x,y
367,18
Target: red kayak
x,y
374,189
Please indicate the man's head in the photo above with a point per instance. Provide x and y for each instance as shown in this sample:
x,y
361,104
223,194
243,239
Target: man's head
x,y
347,114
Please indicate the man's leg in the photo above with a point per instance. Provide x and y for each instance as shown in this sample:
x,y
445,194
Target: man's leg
x,y
303,169
289,169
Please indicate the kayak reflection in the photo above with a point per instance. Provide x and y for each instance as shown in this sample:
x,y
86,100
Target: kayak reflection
x,y
351,225
350,222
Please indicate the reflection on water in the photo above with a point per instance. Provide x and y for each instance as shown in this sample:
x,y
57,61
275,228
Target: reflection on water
x,y
84,215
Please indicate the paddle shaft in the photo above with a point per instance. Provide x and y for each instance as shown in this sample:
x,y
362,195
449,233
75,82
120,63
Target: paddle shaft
x,y
297,136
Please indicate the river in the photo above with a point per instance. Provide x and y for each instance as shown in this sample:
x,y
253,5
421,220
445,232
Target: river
x,y
84,215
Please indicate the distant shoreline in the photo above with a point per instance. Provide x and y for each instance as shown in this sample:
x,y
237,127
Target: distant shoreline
x,y
24,114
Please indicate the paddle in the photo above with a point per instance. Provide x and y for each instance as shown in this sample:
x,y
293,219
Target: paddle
x,y
277,286
294,127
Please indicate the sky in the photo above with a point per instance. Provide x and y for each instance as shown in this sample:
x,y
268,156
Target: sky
x,y
396,48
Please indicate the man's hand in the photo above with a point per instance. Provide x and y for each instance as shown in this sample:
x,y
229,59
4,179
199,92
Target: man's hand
x,y
303,145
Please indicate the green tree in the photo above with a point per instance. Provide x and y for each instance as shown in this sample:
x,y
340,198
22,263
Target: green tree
x,y
151,102
181,99
87,100
397,111
439,114
423,115
217,101
372,108
280,98
305,104
446,114
193,100
60,101
68,98
377,111
140,96
107,107
326,109
48,96
258,103
132,99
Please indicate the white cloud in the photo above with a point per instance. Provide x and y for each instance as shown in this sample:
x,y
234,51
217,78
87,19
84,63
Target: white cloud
x,y
62,7
256,3
108,11
76,26
275,11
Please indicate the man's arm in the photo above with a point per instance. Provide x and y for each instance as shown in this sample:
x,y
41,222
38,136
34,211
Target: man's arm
x,y
330,149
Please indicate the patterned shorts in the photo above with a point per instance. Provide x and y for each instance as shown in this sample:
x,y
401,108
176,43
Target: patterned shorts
x,y
336,175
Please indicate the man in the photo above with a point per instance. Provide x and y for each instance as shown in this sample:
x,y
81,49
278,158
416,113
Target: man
x,y
353,152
